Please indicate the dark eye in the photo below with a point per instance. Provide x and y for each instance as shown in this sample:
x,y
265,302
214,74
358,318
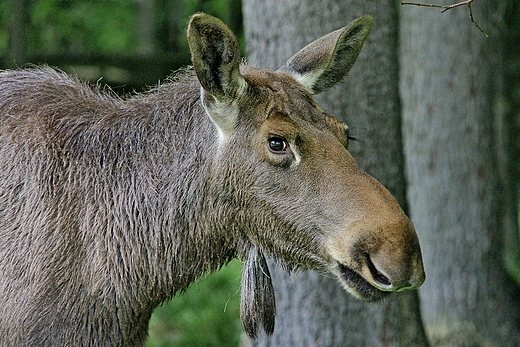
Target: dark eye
x,y
277,145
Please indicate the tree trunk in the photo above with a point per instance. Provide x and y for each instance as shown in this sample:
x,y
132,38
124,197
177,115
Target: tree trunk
x,y
457,164
145,27
314,310
17,21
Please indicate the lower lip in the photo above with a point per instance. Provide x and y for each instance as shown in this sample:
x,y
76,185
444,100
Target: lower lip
x,y
362,287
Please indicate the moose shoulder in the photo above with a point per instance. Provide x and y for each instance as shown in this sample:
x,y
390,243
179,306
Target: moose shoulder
x,y
109,206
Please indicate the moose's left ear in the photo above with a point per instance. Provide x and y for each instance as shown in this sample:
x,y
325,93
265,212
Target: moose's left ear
x,y
322,64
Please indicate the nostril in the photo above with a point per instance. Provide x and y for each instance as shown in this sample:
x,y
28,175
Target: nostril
x,y
376,275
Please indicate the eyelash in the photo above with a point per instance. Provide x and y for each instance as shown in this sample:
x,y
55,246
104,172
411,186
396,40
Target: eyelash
x,y
349,135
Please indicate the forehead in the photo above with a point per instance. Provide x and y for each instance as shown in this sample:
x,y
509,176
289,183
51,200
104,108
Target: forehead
x,y
282,97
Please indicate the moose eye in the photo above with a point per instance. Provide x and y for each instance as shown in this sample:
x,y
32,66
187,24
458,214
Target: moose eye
x,y
277,145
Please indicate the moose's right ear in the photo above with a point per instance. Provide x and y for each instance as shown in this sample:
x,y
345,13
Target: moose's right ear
x,y
323,63
215,56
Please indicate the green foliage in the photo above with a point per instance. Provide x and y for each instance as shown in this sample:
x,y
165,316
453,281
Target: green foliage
x,y
207,314
82,26
3,27
106,26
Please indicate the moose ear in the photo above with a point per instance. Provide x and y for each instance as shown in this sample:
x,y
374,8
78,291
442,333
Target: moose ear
x,y
323,63
215,56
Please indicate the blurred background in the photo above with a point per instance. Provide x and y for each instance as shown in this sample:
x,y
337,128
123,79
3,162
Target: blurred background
x,y
130,46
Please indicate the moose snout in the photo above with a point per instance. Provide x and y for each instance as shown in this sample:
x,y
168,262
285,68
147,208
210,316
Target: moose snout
x,y
385,257
393,260
373,248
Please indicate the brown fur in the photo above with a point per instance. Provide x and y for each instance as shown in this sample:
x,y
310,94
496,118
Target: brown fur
x,y
110,206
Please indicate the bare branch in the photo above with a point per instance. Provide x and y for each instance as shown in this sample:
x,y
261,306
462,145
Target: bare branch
x,y
449,7
475,23
444,7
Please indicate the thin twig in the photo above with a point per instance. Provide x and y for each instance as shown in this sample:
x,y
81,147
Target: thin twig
x,y
444,7
475,23
449,7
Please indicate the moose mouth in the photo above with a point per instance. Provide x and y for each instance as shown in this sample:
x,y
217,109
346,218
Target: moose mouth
x,y
358,286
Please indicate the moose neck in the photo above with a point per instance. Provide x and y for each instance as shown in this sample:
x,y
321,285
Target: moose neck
x,y
177,188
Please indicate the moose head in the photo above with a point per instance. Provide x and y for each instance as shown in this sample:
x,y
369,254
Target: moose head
x,y
321,211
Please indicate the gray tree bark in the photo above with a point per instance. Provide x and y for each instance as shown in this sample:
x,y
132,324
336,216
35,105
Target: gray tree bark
x,y
460,192
314,310
17,20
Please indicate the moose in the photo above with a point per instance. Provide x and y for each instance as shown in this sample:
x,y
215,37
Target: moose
x,y
111,205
